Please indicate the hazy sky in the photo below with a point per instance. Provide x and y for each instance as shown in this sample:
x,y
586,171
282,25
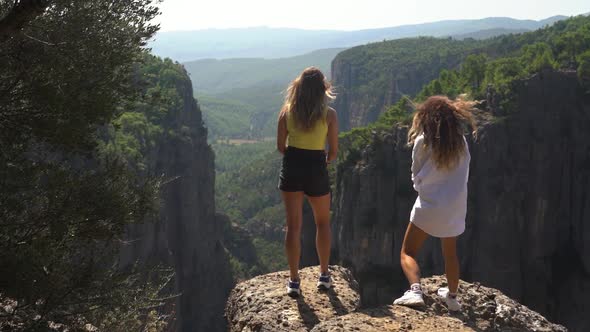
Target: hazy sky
x,y
348,14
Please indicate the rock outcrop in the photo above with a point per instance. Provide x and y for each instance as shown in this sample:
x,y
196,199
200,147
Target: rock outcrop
x,y
261,304
528,220
187,236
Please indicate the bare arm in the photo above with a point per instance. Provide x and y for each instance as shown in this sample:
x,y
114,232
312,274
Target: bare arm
x,y
332,134
282,133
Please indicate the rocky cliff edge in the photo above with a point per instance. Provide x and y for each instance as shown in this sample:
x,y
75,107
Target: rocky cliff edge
x,y
260,304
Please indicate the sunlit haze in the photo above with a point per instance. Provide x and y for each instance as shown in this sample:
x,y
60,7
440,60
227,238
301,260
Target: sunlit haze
x,y
348,14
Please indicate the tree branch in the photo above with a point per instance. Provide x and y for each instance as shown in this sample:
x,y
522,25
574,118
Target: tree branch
x,y
21,13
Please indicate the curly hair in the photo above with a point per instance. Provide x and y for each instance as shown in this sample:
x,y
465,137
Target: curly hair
x,y
442,122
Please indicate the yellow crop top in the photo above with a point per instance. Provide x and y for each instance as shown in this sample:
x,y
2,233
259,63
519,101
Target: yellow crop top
x,y
314,139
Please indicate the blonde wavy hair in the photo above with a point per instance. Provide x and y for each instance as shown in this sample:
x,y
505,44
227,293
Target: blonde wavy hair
x,y
442,121
307,98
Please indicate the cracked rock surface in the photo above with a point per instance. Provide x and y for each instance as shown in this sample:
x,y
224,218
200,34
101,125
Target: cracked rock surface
x,y
261,304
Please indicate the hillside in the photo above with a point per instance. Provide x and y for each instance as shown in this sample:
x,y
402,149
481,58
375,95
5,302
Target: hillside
x,y
215,76
372,77
241,97
227,118
369,77
262,42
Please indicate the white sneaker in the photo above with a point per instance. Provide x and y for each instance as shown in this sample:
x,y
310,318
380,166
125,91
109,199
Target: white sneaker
x,y
411,299
451,302
293,288
324,282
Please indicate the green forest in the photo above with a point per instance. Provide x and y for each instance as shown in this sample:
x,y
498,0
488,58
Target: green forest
x,y
240,97
136,131
226,118
248,174
245,191
488,67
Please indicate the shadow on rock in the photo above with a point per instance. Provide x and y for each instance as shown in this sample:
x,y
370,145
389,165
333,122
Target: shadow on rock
x,y
309,317
337,305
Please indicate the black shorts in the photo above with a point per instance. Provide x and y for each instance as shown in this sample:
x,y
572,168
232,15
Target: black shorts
x,y
305,170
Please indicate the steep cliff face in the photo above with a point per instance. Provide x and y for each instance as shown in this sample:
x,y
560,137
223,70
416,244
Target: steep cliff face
x,y
187,236
357,107
528,222
371,77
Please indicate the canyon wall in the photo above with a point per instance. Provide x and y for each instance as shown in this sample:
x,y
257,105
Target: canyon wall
x,y
369,78
186,237
528,221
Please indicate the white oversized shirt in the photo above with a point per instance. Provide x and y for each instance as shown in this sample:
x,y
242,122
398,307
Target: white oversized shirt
x,y
441,206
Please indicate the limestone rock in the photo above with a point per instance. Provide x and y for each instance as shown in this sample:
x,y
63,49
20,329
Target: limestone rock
x,y
371,77
187,236
484,309
260,304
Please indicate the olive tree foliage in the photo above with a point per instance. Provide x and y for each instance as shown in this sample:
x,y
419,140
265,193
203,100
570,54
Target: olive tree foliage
x,y
67,68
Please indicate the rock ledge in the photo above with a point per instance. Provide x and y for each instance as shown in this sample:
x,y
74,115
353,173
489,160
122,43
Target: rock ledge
x,y
260,304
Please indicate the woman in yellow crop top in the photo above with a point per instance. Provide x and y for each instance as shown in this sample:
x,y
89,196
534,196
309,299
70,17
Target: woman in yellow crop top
x,y
306,124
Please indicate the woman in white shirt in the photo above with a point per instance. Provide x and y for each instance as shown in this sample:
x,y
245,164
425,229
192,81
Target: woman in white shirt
x,y
440,168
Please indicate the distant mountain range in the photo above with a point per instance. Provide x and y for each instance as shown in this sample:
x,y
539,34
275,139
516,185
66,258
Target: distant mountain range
x,y
213,76
263,42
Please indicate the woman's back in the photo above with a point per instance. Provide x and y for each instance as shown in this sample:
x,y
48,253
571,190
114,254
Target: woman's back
x,y
440,165
441,205
312,139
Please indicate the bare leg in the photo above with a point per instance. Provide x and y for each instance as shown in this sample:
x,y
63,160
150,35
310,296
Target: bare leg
x,y
413,241
449,249
293,206
321,214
